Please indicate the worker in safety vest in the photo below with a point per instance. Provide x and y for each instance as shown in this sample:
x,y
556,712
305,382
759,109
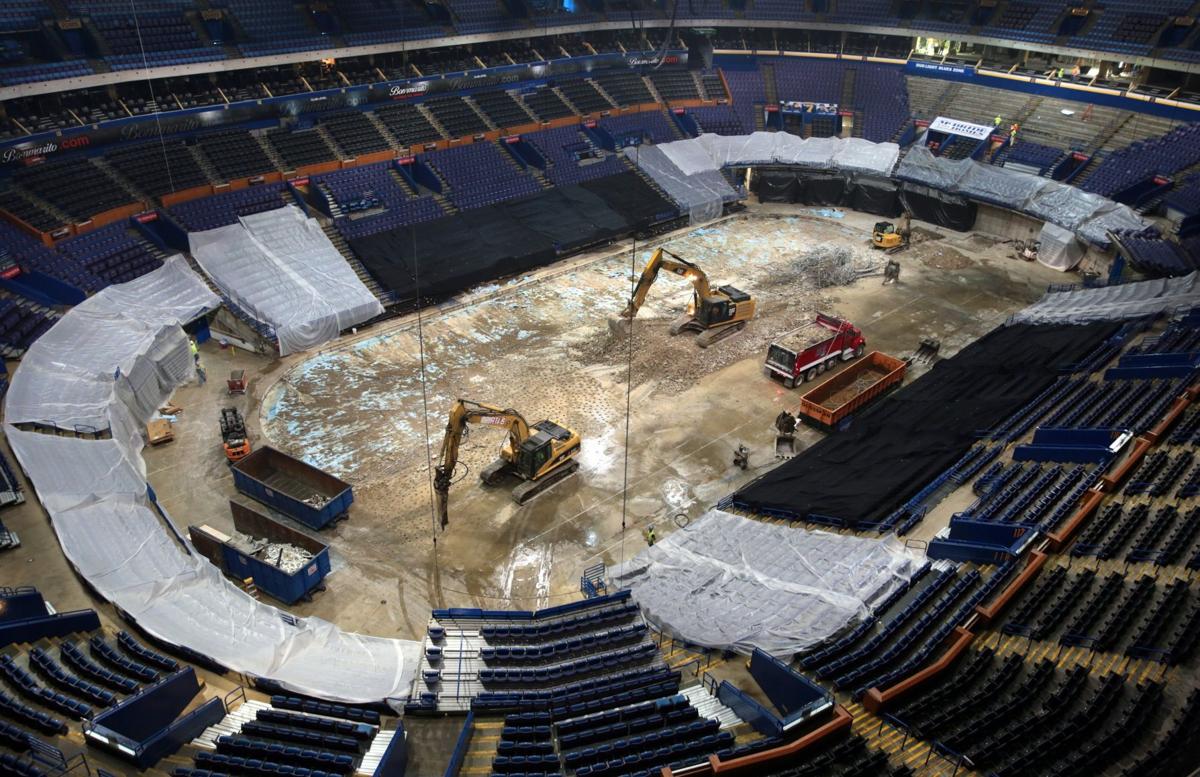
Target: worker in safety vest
x,y
999,121
650,536
195,350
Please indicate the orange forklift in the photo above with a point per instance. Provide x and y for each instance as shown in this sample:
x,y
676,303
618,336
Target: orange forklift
x,y
233,435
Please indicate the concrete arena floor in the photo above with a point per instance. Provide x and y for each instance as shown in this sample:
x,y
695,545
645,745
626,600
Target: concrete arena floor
x,y
541,345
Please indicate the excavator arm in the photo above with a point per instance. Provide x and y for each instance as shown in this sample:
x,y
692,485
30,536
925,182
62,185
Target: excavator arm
x,y
663,259
466,412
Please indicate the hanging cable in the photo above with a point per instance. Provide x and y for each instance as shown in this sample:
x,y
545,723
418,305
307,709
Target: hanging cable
x,y
424,392
150,86
633,279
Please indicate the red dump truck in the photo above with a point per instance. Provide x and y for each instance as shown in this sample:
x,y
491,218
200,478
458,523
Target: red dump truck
x,y
805,353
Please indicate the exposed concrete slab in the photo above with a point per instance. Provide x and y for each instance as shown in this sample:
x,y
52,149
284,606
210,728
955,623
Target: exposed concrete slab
x,y
541,345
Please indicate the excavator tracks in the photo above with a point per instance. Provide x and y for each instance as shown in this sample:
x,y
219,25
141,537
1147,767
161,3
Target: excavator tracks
x,y
529,489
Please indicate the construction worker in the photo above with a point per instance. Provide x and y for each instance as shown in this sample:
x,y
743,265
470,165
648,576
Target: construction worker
x,y
195,349
998,120
650,536
1012,134
891,272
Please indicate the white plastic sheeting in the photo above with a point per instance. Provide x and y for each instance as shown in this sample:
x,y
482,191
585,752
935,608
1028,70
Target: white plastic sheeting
x,y
120,354
1088,215
280,268
1058,248
701,194
734,583
1112,303
106,349
712,152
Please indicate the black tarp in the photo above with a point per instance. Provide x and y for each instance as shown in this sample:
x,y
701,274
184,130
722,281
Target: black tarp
x,y
894,449
947,210
459,251
877,196
824,189
630,196
775,186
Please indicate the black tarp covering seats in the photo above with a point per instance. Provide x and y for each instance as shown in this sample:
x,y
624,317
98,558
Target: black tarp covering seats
x,y
946,210
777,186
894,449
877,196
865,193
447,255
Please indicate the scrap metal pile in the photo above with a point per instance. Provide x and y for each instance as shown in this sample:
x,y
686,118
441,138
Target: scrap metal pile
x,y
830,264
287,557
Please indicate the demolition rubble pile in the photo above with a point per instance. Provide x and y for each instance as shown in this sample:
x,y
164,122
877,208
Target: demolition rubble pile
x,y
828,264
285,556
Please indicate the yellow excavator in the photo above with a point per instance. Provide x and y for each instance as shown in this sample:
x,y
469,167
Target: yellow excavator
x,y
714,313
540,455
892,238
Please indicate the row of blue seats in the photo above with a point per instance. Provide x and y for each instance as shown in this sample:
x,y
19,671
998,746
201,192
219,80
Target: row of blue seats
x,y
828,668
576,696
536,764
14,709
572,726
1066,505
1182,537
528,719
1153,399
974,461
311,707
935,642
908,639
998,497
113,657
1188,430
659,757
996,477
524,746
572,645
52,671
526,733
1146,542
1022,619
826,650
358,731
630,726
1158,480
301,736
18,767
81,664
14,737
24,682
336,763
586,620
1080,628
1152,635
216,764
637,743
592,663
1049,483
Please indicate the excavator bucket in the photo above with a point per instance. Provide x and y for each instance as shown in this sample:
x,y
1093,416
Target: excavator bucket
x,y
618,326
